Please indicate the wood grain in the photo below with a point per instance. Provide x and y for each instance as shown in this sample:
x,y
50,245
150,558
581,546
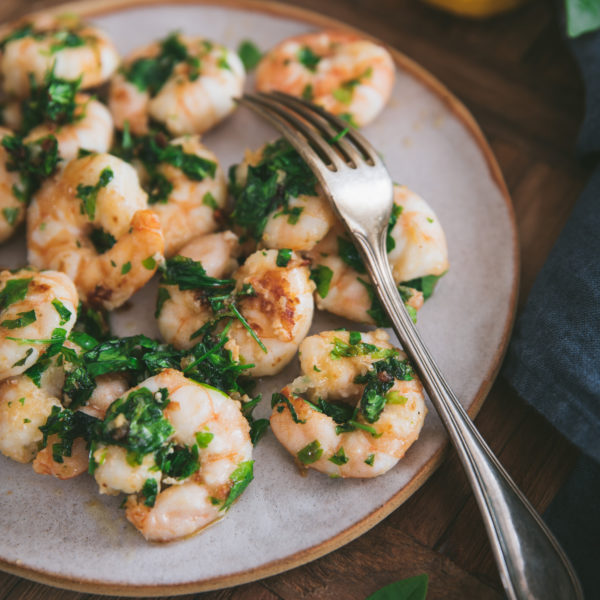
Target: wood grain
x,y
515,74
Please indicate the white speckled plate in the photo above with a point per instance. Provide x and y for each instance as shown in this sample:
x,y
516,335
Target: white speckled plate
x,y
65,534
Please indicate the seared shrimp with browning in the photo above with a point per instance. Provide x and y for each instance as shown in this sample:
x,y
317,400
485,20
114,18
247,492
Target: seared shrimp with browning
x,y
342,72
63,44
91,221
185,83
183,477
356,409
266,305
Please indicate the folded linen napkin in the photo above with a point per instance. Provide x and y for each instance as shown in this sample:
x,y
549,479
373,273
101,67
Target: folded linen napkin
x,y
553,360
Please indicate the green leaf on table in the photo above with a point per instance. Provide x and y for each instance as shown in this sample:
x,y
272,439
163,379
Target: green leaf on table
x,y
583,16
413,588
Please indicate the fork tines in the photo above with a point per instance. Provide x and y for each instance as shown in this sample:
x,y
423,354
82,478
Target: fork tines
x,y
320,137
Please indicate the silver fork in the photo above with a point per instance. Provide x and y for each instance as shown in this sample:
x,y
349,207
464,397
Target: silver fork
x,y
530,561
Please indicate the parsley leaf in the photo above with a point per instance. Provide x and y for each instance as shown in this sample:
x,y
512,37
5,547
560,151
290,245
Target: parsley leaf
x,y
281,174
321,275
101,240
23,319
284,256
240,478
88,194
249,54
308,58
34,161
13,291
310,453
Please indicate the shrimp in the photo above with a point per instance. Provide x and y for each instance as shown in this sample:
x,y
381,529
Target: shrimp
x,y
24,408
13,209
186,83
35,307
417,250
108,388
91,128
198,463
356,409
298,219
64,44
194,197
274,301
91,221
342,72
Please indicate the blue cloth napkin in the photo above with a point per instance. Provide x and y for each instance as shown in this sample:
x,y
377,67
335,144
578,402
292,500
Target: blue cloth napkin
x,y
553,361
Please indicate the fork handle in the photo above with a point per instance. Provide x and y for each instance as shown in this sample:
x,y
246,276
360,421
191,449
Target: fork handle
x,y
531,563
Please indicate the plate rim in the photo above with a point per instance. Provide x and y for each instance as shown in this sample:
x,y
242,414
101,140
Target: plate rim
x,y
91,8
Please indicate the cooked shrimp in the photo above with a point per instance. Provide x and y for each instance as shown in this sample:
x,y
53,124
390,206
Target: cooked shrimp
x,y
13,209
108,388
370,389
201,426
420,243
191,92
33,305
24,408
192,205
298,223
91,128
65,44
91,222
279,310
419,250
347,75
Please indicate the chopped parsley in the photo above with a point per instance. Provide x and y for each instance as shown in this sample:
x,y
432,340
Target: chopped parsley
x,y
54,101
161,298
101,240
149,263
356,347
11,215
34,161
136,423
379,380
240,479
258,427
13,291
249,54
204,438
281,174
322,275
308,58
280,401
63,312
308,92
88,194
370,460
425,284
349,254
284,256
311,453
126,268
390,242
209,200
151,73
345,92
23,319
339,458
68,425
150,491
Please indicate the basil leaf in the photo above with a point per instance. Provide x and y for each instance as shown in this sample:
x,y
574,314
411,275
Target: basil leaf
x,y
582,16
413,588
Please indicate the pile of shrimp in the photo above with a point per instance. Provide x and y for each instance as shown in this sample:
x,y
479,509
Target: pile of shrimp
x,y
101,158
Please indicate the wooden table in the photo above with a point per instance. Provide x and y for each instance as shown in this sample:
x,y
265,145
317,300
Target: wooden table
x,y
516,76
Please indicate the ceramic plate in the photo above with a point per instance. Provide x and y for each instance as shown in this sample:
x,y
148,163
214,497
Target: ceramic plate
x,y
66,534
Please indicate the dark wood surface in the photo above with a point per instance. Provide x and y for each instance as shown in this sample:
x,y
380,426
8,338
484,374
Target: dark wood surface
x,y
515,74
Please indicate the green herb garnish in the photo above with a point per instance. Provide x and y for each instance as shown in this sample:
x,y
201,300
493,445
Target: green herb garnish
x,y
88,194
